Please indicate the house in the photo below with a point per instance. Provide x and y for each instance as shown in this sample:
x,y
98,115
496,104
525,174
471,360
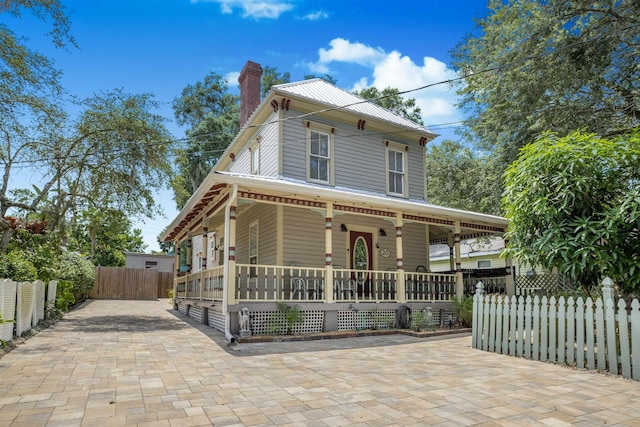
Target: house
x,y
483,259
319,201
160,262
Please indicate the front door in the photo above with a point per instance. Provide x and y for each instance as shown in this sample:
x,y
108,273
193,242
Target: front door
x,y
361,259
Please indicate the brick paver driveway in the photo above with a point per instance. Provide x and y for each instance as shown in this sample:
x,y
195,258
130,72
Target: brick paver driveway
x,y
137,362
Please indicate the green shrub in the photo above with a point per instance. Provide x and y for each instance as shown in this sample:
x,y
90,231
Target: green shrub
x,y
77,270
463,308
17,267
64,295
284,319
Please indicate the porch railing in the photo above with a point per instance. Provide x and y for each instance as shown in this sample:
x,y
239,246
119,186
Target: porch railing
x,y
430,286
364,285
181,287
277,283
257,282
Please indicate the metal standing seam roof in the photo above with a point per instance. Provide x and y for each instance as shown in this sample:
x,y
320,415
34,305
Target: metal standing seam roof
x,y
326,93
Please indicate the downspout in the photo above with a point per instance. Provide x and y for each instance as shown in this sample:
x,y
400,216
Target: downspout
x,y
225,268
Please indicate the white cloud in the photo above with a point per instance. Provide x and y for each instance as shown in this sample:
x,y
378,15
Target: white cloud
x,y
256,9
315,16
344,51
232,78
392,69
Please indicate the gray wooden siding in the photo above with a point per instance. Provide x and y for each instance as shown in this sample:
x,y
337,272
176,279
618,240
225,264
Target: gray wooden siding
x,y
416,172
294,147
414,246
242,163
304,237
267,226
268,152
269,146
359,157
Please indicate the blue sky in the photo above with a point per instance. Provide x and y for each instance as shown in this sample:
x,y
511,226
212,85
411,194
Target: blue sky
x,y
160,46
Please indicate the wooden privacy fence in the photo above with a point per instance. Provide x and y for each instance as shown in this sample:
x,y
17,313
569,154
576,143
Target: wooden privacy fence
x,y
131,283
604,335
24,304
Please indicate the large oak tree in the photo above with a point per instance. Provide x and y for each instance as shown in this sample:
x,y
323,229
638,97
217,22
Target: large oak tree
x,y
556,65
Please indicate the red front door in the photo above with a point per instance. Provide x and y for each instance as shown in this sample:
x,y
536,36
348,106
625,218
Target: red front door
x,y
360,245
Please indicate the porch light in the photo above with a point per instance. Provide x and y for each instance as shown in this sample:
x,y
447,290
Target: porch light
x,y
343,228
382,232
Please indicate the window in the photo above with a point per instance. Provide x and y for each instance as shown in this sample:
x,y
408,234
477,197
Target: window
x,y
319,158
484,263
253,248
151,264
255,159
396,169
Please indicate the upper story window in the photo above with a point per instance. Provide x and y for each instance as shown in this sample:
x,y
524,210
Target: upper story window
x,y
396,169
255,158
319,154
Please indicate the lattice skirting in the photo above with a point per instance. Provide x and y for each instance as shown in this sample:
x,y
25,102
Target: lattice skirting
x,y
268,322
381,319
366,319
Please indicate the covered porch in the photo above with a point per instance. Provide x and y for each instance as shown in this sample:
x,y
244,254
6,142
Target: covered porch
x,y
252,242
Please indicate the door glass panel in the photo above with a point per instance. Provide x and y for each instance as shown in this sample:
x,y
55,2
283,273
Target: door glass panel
x,y
361,257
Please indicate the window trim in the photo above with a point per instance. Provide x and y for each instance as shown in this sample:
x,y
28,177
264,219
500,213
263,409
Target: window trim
x,y
403,149
254,149
329,131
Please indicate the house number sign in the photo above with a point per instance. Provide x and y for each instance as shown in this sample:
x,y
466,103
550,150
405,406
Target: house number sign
x,y
385,253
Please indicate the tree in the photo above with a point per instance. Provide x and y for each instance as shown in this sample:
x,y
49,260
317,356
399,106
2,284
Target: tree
x,y
573,203
105,235
28,78
390,99
557,65
113,156
271,77
459,178
213,117
326,77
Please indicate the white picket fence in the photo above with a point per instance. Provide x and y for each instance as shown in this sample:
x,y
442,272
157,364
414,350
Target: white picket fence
x,y
24,304
601,335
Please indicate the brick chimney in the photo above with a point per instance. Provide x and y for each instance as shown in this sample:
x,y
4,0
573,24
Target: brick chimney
x,y
249,90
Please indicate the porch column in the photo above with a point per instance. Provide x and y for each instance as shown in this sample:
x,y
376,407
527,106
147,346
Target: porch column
x,y
189,254
452,261
328,250
509,282
203,254
189,262
459,277
230,250
402,295
176,254
205,243
176,267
